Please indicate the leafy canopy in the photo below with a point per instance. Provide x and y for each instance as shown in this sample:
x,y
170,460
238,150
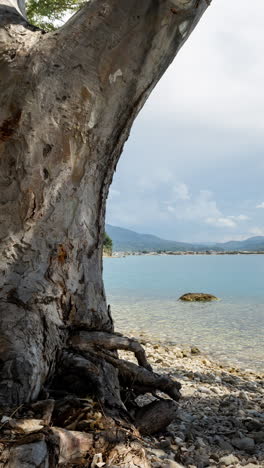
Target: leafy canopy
x,y
46,13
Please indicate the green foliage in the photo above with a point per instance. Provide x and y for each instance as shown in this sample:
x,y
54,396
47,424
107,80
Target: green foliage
x,y
108,243
46,13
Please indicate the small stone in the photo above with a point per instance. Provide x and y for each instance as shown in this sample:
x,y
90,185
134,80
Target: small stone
x,y
254,425
258,437
246,443
178,441
159,453
197,376
243,395
195,350
36,451
218,379
165,443
171,464
5,419
229,460
184,416
204,390
224,445
216,390
199,442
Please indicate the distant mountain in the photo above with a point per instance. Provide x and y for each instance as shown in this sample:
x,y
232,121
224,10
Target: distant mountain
x,y
253,243
125,240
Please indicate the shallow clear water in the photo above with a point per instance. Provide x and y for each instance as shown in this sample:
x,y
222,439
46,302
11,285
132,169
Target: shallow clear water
x,y
143,293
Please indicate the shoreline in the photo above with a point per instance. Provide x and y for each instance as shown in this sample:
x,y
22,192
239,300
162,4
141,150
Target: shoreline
x,y
224,361
220,418
168,253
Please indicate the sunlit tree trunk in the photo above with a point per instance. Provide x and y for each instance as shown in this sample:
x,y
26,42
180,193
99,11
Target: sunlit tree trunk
x,y
68,100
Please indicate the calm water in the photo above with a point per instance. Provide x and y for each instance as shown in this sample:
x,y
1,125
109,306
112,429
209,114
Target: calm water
x,y
143,293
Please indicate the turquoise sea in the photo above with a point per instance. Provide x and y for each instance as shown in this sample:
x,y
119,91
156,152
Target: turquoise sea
x,y
143,292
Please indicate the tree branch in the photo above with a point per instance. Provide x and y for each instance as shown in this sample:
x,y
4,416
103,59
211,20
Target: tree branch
x,y
118,51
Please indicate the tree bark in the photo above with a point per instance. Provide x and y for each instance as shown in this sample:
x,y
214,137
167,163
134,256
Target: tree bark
x,y
68,101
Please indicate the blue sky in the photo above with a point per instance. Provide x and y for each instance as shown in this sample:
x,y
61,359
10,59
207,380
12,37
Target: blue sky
x,y
193,167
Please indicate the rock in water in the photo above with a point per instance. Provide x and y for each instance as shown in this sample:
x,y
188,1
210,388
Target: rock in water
x,y
198,297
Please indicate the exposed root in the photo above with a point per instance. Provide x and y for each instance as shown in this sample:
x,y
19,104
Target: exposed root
x,y
92,415
140,378
46,407
90,375
87,341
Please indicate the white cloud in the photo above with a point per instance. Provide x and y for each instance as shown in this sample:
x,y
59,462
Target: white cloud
x,y
221,222
261,205
240,217
221,61
202,208
197,208
257,231
181,191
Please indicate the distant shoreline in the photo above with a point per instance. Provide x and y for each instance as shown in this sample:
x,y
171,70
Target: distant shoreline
x,y
240,252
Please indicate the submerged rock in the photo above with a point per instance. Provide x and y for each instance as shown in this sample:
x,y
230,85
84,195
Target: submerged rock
x,y
197,297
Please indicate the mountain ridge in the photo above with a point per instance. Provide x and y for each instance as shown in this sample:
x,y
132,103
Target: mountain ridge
x,y
126,240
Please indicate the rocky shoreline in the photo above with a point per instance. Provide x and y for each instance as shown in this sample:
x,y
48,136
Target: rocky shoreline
x,y
218,422
220,418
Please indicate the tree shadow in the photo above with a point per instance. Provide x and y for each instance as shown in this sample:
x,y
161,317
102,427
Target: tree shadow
x,y
209,427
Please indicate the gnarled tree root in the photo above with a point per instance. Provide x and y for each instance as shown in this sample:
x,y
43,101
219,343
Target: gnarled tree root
x,y
86,341
101,427
141,378
99,347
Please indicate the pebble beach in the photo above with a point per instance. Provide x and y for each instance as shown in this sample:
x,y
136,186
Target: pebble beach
x,y
220,416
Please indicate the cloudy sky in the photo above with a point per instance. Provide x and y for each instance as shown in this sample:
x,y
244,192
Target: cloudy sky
x,y
193,167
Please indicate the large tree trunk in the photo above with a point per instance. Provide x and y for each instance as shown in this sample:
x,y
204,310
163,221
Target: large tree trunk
x,y
68,100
